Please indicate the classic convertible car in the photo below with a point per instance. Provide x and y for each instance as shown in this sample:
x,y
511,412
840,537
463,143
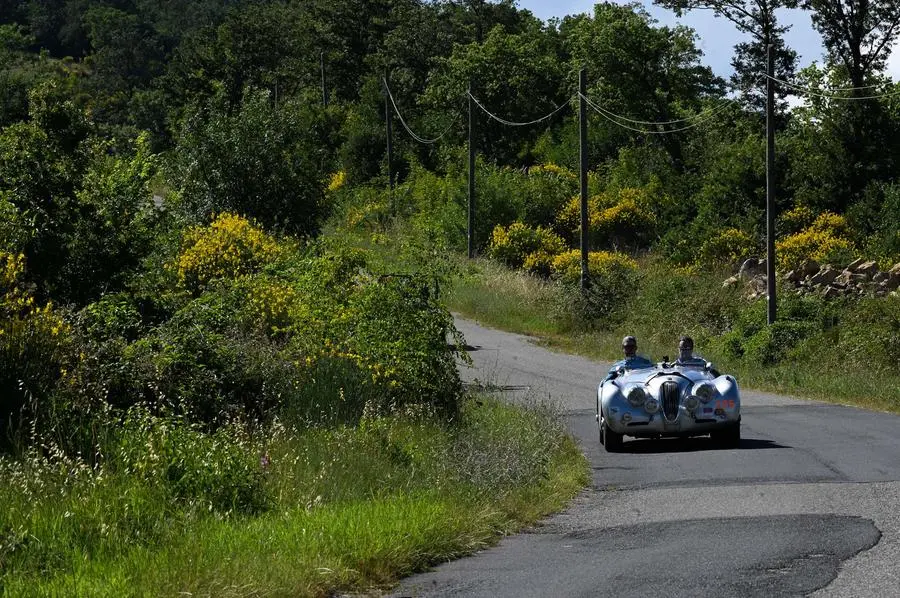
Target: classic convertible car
x,y
669,400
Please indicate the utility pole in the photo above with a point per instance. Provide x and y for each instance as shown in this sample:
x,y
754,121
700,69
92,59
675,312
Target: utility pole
x,y
324,88
471,228
770,185
582,121
390,145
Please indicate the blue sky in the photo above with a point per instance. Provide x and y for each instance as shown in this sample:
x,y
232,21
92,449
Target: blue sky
x,y
717,36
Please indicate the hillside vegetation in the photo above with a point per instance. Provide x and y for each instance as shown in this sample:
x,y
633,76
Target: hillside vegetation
x,y
227,363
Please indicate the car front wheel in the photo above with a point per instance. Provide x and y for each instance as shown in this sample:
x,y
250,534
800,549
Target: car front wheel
x,y
612,441
729,437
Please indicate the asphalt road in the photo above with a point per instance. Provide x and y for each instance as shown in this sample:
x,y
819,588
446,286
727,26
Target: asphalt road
x,y
809,504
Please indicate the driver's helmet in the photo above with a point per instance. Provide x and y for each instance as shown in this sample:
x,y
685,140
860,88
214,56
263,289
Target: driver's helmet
x,y
629,346
685,348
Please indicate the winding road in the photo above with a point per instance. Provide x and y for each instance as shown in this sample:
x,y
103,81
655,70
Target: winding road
x,y
809,504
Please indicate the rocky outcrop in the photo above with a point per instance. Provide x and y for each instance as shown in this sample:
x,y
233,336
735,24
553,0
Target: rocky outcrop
x,y
860,277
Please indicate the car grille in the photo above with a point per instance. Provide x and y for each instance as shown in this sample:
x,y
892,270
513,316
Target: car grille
x,y
670,396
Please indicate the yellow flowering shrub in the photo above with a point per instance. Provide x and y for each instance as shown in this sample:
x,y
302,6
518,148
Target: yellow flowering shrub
x,y
569,218
795,220
730,246
274,305
831,224
513,244
539,263
819,245
615,217
337,181
553,169
231,246
567,266
625,223
33,337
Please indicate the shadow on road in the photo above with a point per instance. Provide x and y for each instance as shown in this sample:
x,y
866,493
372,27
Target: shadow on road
x,y
685,445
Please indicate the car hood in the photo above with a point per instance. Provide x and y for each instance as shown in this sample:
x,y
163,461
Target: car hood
x,y
646,375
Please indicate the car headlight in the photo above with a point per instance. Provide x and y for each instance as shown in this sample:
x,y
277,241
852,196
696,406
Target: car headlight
x,y
651,406
705,391
636,396
691,403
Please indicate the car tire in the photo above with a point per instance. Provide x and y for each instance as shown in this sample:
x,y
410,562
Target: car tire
x,y
729,437
612,441
599,428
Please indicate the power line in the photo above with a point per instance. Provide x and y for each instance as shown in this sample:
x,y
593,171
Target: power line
x,y
611,117
412,133
693,117
810,91
700,116
518,124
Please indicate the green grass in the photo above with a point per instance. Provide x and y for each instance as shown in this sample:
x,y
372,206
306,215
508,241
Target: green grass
x,y
849,363
348,509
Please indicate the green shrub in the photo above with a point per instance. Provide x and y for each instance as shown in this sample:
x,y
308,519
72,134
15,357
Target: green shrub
x,y
261,160
773,343
546,189
34,339
731,246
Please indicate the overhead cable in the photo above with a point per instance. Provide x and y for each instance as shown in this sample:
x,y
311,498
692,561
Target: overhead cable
x,y
611,117
517,124
812,92
701,116
412,133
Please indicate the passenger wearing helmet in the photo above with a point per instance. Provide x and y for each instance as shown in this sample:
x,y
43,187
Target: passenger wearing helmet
x,y
632,360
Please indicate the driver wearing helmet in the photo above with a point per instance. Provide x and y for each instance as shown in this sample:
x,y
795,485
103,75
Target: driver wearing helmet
x,y
632,360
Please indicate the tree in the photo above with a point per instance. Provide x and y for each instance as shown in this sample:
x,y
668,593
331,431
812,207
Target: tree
x,y
639,70
517,77
259,160
756,18
857,34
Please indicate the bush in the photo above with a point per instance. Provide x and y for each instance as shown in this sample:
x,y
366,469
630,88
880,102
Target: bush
x,y
33,342
547,188
568,220
795,220
823,241
514,244
731,246
230,247
771,344
626,223
261,160
566,267
616,218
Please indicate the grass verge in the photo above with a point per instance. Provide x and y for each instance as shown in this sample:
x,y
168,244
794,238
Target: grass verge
x,y
837,352
346,509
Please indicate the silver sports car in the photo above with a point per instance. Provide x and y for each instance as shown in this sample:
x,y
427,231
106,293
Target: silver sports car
x,y
669,399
